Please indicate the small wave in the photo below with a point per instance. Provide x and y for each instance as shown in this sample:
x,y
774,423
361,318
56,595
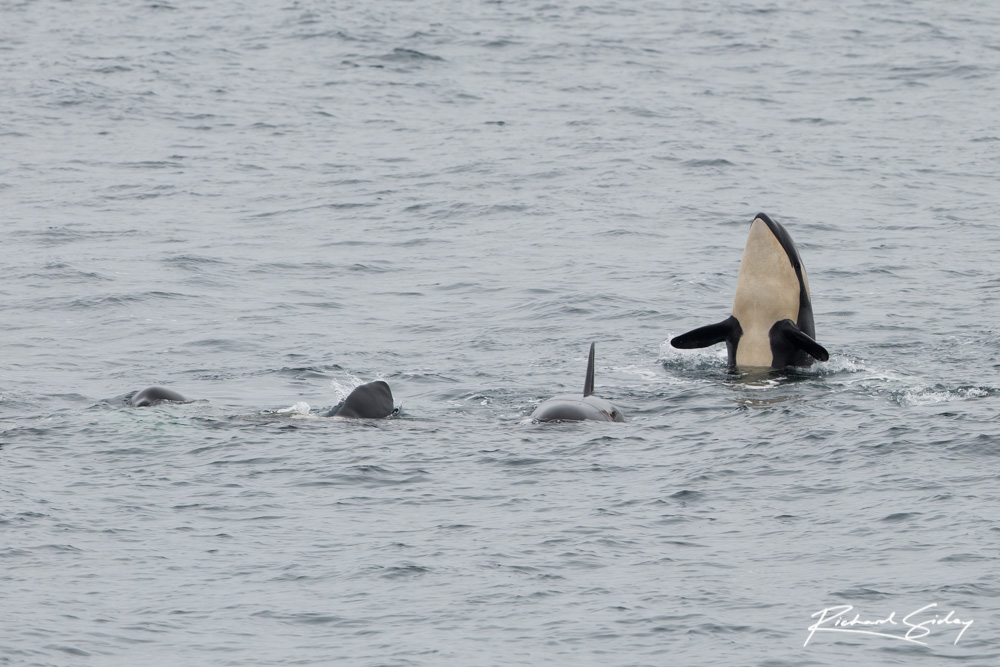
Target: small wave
x,y
718,162
152,164
307,618
370,268
110,300
64,271
112,69
918,396
325,34
814,121
192,262
301,372
403,571
408,55
937,70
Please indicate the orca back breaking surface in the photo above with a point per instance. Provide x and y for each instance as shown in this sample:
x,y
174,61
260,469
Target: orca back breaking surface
x,y
571,407
368,401
154,395
772,320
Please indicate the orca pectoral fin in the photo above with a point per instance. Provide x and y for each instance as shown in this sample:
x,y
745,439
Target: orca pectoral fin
x,y
795,337
719,332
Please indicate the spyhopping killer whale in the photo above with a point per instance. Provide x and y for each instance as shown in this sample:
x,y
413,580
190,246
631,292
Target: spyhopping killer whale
x,y
571,407
771,324
369,401
153,395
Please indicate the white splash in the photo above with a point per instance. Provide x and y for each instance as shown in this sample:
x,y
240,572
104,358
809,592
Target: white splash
x,y
917,396
300,408
696,359
344,389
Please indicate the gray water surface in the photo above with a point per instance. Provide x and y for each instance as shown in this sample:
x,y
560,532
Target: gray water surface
x,y
262,205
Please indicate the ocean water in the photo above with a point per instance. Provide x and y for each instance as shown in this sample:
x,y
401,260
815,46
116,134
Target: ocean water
x,y
261,205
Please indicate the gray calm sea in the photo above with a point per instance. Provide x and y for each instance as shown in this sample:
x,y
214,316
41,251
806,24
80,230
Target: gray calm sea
x,y
263,204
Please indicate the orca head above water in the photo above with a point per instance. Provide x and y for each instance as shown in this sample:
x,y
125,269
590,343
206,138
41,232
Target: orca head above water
x,y
771,325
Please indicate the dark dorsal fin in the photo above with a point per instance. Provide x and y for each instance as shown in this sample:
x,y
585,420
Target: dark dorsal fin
x,y
368,401
708,335
588,386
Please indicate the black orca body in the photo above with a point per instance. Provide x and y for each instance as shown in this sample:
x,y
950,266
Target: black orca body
x,y
570,407
153,395
772,320
369,401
